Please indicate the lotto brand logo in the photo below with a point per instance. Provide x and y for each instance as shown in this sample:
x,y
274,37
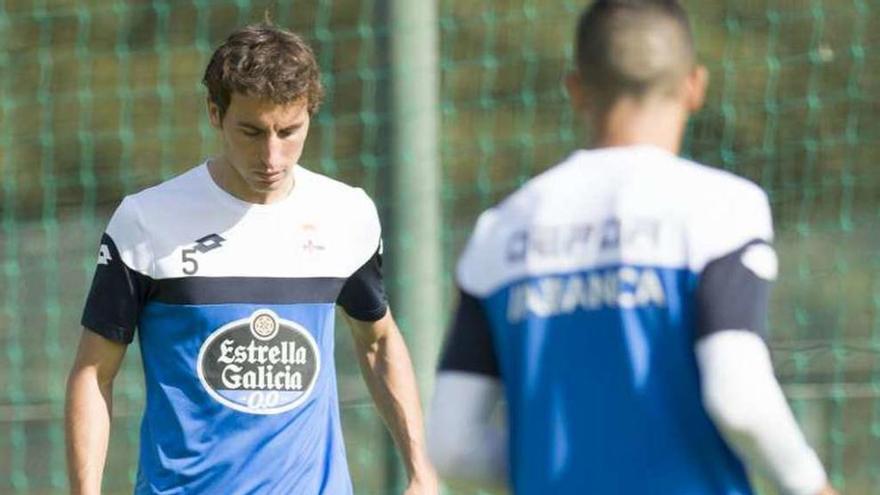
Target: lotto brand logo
x,y
208,243
259,365
104,257
190,265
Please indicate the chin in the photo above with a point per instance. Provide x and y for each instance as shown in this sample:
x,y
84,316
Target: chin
x,y
263,187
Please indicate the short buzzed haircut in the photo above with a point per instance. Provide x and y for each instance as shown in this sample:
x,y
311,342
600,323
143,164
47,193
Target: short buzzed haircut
x,y
267,62
634,48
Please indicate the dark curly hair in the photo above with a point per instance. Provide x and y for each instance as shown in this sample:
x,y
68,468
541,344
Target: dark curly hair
x,y
265,61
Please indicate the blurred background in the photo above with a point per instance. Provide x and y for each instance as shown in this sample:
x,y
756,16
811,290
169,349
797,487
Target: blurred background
x,y
438,109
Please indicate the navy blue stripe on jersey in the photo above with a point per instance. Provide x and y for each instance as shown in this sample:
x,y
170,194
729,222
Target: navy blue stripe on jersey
x,y
469,345
117,295
731,295
247,290
363,295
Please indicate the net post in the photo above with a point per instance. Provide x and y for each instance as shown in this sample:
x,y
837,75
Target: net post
x,y
415,209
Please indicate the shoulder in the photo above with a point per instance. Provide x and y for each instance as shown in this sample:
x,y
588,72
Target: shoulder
x,y
182,187
723,195
709,182
728,212
715,210
341,202
327,189
484,262
166,196
132,226
347,208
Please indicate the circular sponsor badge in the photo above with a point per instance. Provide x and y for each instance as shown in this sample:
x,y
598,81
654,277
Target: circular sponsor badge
x,y
260,364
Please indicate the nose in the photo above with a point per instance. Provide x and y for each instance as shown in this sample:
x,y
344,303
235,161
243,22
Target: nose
x,y
272,154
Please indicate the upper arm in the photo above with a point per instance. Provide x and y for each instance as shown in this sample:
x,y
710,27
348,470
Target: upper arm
x,y
735,261
367,332
121,284
365,303
469,344
98,354
733,291
363,295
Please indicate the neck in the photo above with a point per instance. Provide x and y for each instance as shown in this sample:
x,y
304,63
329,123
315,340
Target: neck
x,y
629,122
230,180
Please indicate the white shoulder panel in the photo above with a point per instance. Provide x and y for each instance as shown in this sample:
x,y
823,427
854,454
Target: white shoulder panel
x,y
350,210
323,229
126,230
171,213
731,212
368,229
635,206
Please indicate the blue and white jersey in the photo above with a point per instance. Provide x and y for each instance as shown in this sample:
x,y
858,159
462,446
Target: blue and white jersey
x,y
585,291
234,309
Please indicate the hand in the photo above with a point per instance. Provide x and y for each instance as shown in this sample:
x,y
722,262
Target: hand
x,y
425,484
828,490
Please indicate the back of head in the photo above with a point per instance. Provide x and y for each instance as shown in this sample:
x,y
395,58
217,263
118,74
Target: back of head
x,y
265,61
635,48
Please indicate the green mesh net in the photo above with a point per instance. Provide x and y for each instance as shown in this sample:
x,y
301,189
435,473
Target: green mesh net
x,y
101,98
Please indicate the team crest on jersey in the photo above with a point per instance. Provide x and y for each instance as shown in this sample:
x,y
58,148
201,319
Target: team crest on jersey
x,y
311,243
259,365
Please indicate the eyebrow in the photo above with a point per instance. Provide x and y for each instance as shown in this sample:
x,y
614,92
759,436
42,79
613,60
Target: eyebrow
x,y
249,127
254,127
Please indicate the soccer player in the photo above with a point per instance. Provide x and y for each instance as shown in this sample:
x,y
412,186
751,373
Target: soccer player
x,y
618,301
230,273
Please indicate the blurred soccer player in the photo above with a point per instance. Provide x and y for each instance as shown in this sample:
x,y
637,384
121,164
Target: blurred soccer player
x,y
618,301
231,273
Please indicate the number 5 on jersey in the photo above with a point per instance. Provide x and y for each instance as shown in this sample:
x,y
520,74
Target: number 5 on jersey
x,y
190,264
202,245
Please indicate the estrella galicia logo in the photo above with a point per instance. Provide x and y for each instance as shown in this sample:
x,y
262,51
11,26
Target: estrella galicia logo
x,y
260,364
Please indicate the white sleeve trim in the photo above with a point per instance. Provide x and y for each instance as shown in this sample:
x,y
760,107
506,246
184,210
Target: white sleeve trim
x,y
464,443
743,398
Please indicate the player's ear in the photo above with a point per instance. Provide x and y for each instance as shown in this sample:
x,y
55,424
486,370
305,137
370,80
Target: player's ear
x,y
695,88
576,92
214,114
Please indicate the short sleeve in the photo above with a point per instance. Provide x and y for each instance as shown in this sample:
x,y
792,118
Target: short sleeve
x,y
363,294
734,283
733,291
469,347
119,290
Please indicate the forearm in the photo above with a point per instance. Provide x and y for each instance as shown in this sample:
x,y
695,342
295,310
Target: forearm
x,y
746,403
388,372
87,423
467,447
